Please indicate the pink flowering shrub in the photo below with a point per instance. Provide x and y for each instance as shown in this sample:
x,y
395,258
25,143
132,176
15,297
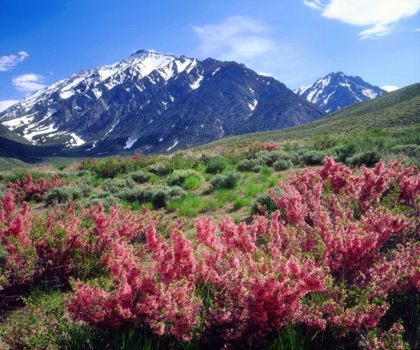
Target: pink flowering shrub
x,y
365,229
339,246
64,243
392,339
256,147
217,149
28,189
270,146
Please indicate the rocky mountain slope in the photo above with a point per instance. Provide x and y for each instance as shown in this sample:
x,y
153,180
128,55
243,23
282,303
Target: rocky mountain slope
x,y
156,103
337,90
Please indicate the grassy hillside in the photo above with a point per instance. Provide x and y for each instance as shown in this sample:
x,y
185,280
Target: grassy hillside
x,y
394,110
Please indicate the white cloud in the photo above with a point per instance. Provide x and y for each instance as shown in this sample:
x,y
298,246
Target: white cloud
x,y
28,82
236,38
265,74
417,30
379,15
389,88
9,62
313,4
6,104
254,43
375,32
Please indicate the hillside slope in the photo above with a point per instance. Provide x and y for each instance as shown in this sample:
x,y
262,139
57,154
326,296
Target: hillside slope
x,y
394,110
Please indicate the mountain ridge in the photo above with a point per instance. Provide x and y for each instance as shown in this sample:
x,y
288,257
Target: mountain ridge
x,y
337,90
156,103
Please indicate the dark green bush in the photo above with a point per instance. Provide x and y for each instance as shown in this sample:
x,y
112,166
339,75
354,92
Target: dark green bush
x,y
63,195
3,256
270,157
178,177
115,185
226,181
281,165
367,158
107,200
256,169
249,164
216,165
309,157
263,200
158,195
159,169
140,176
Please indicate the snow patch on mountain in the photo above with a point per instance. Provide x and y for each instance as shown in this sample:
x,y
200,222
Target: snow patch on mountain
x,y
130,143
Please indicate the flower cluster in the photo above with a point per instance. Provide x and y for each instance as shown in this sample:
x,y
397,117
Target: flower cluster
x,y
256,147
29,189
65,243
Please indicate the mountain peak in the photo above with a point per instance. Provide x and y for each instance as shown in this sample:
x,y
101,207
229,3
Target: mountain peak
x,y
337,90
143,51
155,102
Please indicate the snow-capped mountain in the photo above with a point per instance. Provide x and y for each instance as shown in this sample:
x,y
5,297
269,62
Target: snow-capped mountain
x,y
156,103
337,90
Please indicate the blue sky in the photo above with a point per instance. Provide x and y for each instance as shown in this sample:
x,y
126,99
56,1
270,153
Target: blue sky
x,y
296,41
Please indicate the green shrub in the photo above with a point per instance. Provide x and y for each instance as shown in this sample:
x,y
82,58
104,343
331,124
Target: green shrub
x,y
309,157
21,174
189,205
178,177
86,190
257,169
63,195
108,200
182,161
239,203
115,185
367,158
191,182
159,169
269,158
249,164
216,165
322,142
205,158
3,256
263,200
281,165
81,173
410,150
342,151
130,194
161,195
3,190
266,171
158,195
226,181
140,176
